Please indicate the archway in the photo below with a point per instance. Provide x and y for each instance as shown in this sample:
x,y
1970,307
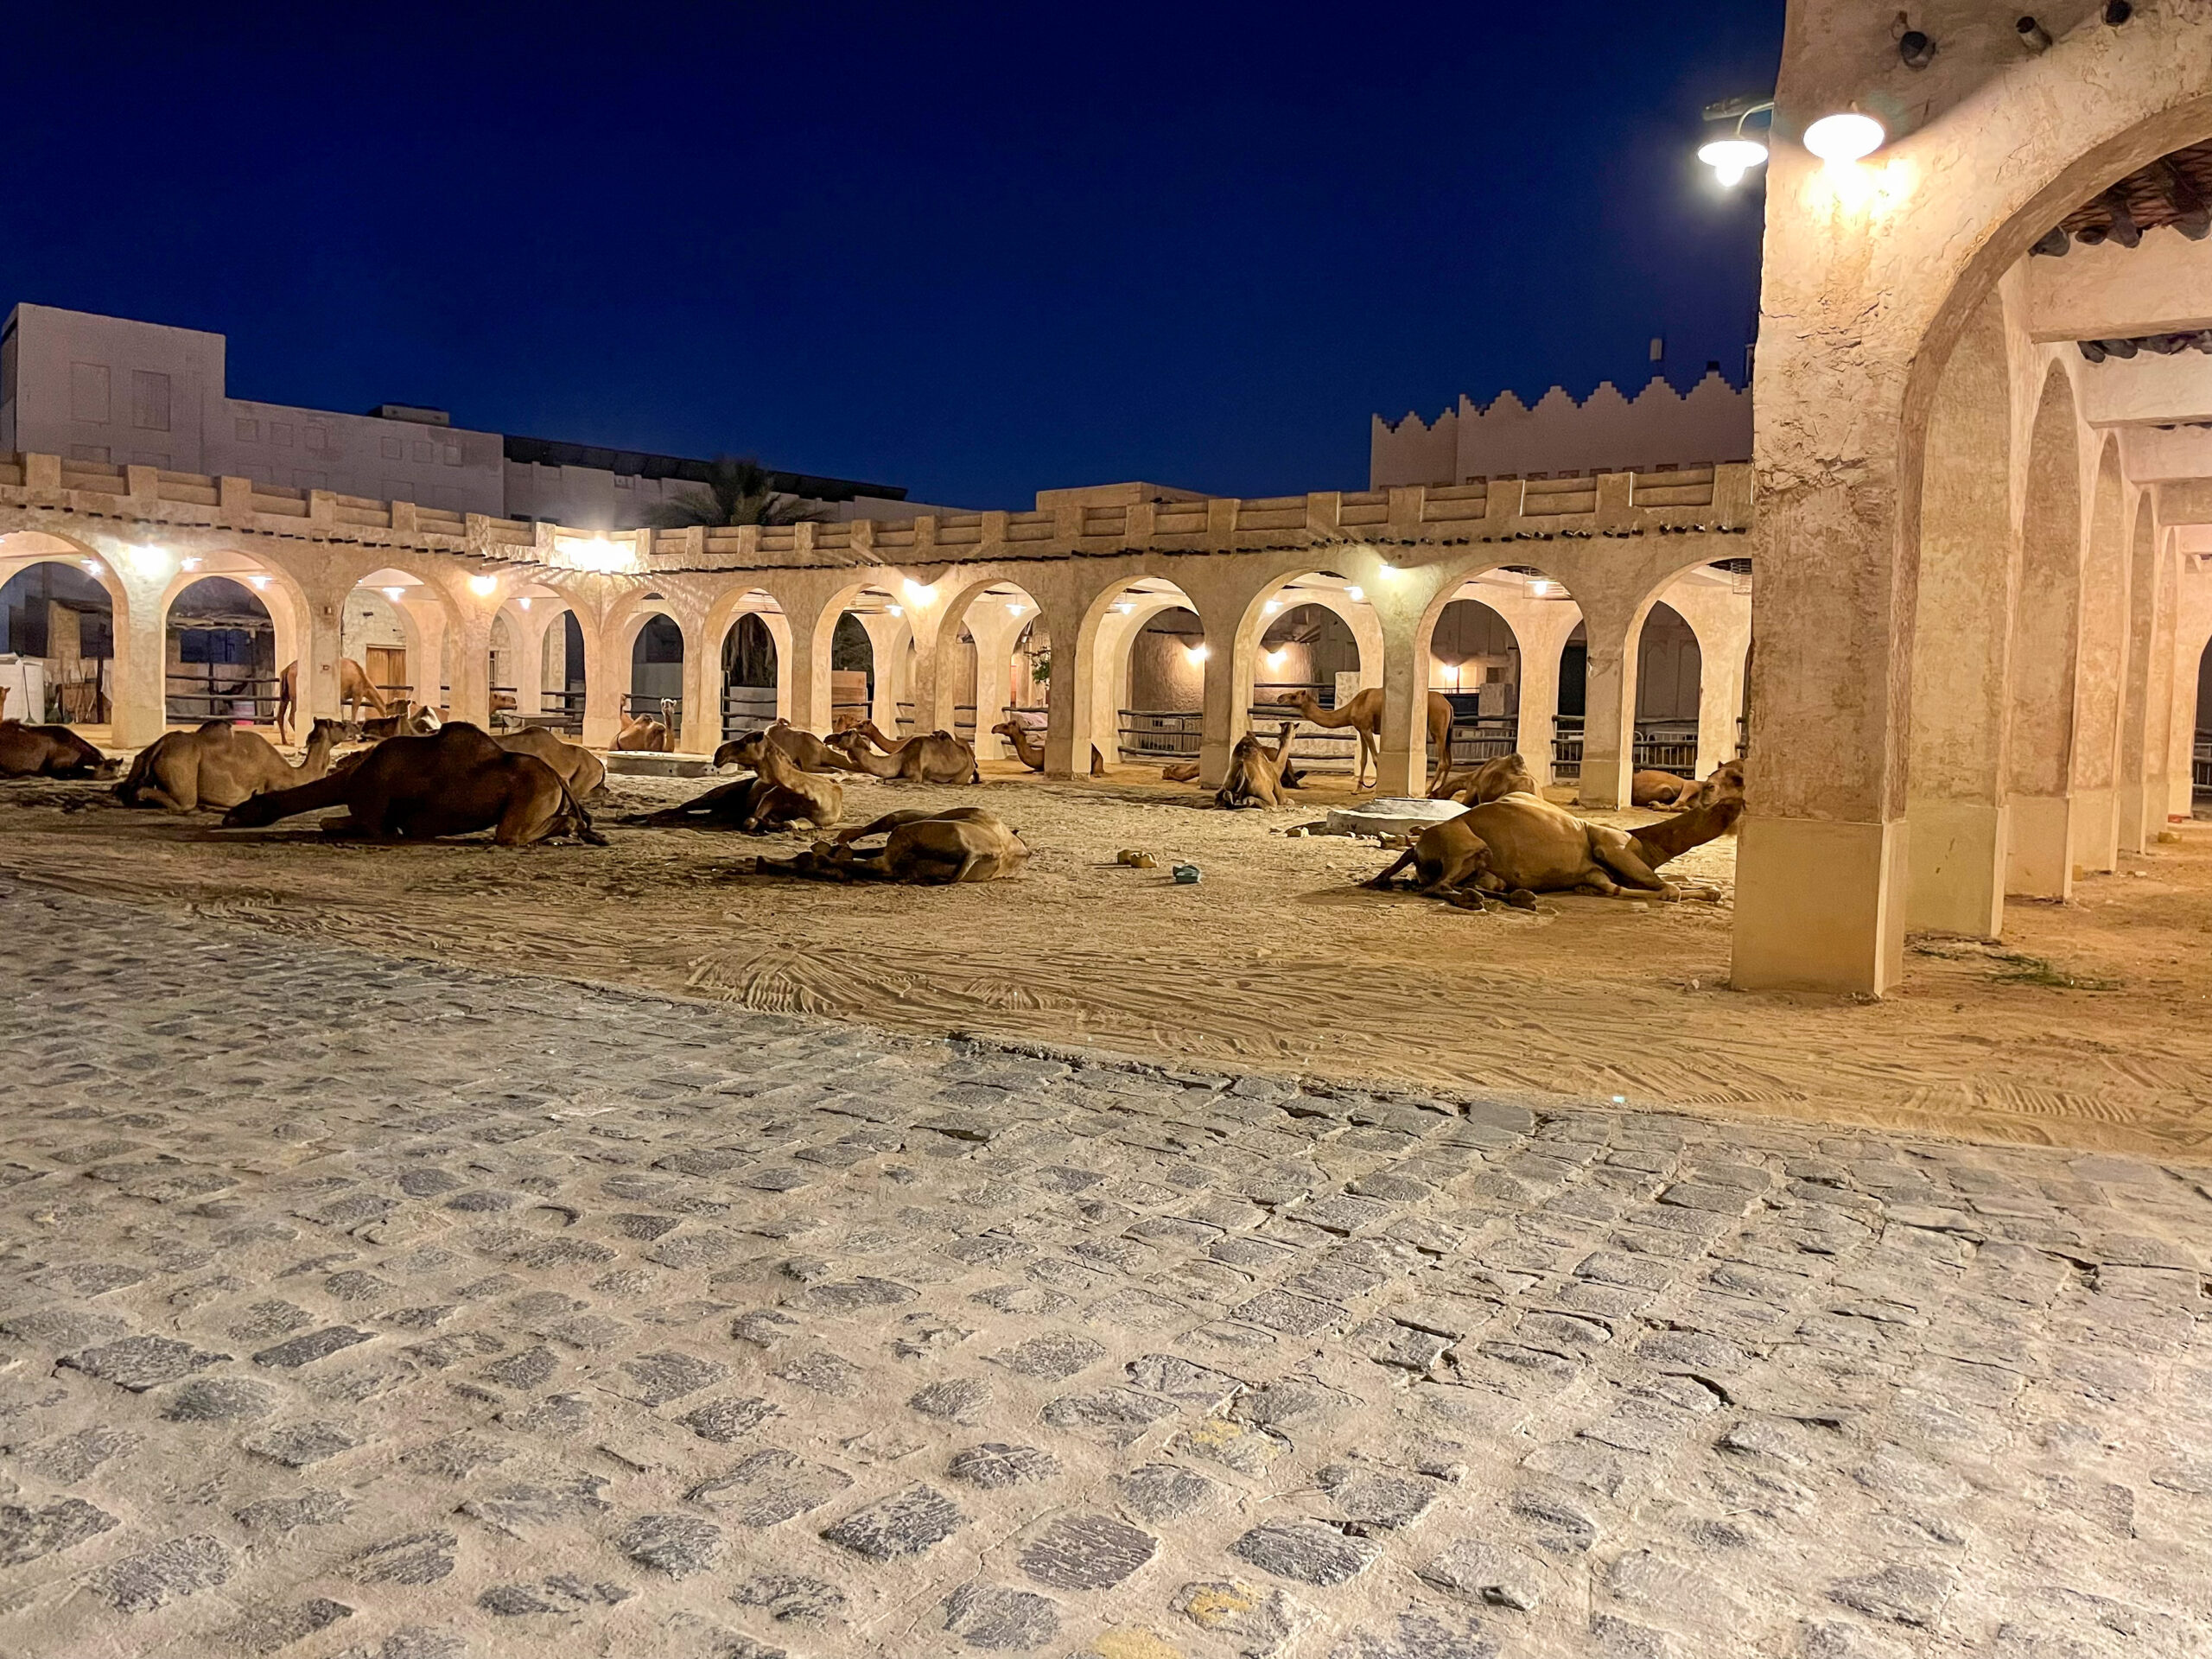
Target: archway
x,y
656,669
219,655
564,672
377,629
1155,716
58,618
1505,645
1314,642
995,664
752,666
1475,661
852,672
1668,672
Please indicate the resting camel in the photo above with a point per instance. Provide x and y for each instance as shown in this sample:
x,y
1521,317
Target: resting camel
x,y
1364,714
1661,789
406,720
801,748
1031,752
1255,778
1523,843
922,847
584,772
1504,774
452,782
48,752
642,734
219,765
925,758
778,796
1726,784
353,691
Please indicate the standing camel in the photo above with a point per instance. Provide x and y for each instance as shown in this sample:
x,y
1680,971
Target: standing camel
x,y
353,691
1364,714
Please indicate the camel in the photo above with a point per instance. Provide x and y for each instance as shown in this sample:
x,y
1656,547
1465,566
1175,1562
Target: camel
x,y
584,772
1726,784
1031,752
48,752
923,848
1183,771
927,758
1504,774
218,766
1523,844
353,691
801,748
1255,778
454,781
642,734
1661,789
778,795
1364,714
406,720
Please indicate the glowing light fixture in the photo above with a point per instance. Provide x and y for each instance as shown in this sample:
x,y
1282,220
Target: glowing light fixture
x,y
916,593
603,556
151,563
93,565
523,601
1197,654
1276,659
1847,138
483,586
193,562
1730,158
1356,594
395,594
1388,570
1272,607
1015,608
1125,608
258,582
896,610
1541,588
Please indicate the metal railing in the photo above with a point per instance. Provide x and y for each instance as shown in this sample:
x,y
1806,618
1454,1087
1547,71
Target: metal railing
x,y
248,696
1567,748
746,709
1667,745
635,704
2200,765
1159,734
1479,738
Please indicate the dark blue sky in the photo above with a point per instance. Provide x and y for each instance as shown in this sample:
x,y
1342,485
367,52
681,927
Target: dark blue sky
x,y
976,250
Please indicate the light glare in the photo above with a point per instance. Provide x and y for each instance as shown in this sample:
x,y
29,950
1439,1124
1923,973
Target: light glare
x,y
1730,158
1849,136
483,587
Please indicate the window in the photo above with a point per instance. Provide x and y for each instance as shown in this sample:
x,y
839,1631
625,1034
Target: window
x,y
624,481
89,452
318,436
248,431
423,449
451,456
389,448
149,401
280,432
88,391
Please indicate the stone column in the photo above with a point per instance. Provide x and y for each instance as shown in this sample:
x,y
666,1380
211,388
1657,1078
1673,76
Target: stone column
x,y
317,675
607,680
1402,765
2139,756
426,652
138,680
471,639
995,637
1227,680
808,671
886,634
1609,703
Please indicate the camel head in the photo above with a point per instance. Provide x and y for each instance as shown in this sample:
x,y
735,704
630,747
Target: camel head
x,y
742,752
1727,783
1301,701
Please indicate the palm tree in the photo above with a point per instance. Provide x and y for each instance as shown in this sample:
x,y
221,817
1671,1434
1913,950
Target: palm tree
x,y
737,492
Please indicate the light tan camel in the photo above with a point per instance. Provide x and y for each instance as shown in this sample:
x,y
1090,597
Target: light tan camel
x,y
1255,777
417,788
219,765
406,720
584,772
1662,790
801,748
1031,752
1364,714
1503,774
925,758
1524,843
48,752
922,847
353,691
642,734
780,794
1725,783
1182,771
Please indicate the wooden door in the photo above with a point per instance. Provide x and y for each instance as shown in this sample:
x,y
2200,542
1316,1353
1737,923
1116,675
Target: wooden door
x,y
387,667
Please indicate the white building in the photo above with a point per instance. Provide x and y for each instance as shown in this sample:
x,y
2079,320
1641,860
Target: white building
x,y
110,390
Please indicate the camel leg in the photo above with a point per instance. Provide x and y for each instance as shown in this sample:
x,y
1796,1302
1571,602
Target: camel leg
x,y
525,822
1382,883
1625,862
154,795
1370,760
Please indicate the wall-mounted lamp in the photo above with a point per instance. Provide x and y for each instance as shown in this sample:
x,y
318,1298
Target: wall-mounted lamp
x,y
1844,137
258,582
150,564
916,594
1277,658
523,603
1271,607
1732,157
1355,594
193,562
896,610
1125,608
1015,608
93,565
1197,654
483,586
1386,570
395,594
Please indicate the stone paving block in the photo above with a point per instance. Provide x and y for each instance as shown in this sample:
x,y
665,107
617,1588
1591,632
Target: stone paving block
x,y
1306,1552
908,1522
28,1533
1086,1552
769,1487
171,1571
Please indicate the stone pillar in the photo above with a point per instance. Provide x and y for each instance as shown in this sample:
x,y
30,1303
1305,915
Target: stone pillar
x,y
471,670
995,637
2157,760
607,680
886,634
139,679
2139,756
2100,676
318,676
808,672
426,652
1609,704
701,729
1402,766
1227,680
1068,736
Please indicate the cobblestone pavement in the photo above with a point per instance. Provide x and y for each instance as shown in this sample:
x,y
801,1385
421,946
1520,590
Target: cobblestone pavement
x,y
357,1307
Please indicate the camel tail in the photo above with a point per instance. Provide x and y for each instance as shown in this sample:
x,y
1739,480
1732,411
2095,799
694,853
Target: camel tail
x,y
257,811
1670,838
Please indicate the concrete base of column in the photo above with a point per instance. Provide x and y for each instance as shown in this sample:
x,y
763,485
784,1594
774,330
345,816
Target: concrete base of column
x,y
2039,852
1603,782
1213,761
2095,830
1818,906
2136,830
1401,773
1956,879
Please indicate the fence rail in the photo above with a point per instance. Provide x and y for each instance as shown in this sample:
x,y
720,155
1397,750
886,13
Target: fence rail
x,y
2200,765
746,710
255,695
1159,734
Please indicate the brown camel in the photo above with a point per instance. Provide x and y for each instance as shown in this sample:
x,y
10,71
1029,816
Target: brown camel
x,y
48,752
1364,714
584,772
922,847
1182,771
1504,774
1255,777
927,758
801,748
219,765
778,795
418,788
1524,843
1662,789
353,691
1031,752
1726,784
642,734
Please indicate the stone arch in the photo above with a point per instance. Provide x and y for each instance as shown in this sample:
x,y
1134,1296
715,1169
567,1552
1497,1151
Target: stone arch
x,y
753,653
93,697
212,667
1669,674
1282,595
978,679
2046,652
1477,659
1544,616
877,611
1099,689
652,650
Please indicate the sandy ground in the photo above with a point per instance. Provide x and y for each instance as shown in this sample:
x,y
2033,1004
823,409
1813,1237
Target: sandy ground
x,y
2090,1028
